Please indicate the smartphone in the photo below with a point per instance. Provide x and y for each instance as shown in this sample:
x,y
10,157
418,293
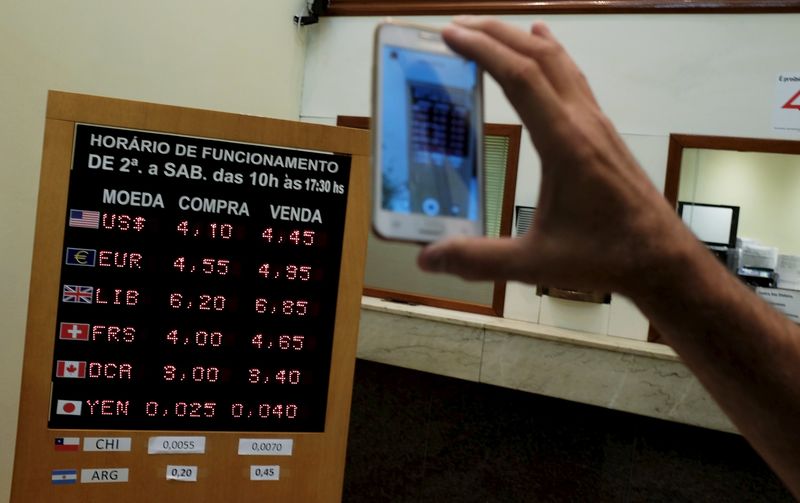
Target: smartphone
x,y
427,137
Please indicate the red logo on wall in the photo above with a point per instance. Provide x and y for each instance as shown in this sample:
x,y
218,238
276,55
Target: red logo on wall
x,y
794,102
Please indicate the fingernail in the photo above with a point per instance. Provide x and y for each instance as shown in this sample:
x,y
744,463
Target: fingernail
x,y
464,19
453,31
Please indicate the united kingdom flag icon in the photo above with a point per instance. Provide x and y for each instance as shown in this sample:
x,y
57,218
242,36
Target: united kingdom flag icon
x,y
77,294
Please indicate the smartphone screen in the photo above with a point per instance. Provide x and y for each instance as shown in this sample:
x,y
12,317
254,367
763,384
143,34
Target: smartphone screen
x,y
429,143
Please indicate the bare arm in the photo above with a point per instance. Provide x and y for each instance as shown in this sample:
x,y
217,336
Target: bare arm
x,y
744,352
601,224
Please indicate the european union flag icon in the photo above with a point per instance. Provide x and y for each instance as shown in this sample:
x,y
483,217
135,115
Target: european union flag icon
x,y
81,256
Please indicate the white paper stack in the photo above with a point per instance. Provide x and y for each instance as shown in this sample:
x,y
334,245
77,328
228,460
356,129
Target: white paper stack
x,y
788,272
761,257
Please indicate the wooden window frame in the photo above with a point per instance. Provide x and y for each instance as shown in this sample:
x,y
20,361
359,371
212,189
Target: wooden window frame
x,y
679,142
514,134
450,7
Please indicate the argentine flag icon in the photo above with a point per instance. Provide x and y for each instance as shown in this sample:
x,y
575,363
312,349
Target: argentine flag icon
x,y
65,476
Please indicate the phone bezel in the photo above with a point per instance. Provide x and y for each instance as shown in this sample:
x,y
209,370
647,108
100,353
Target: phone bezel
x,y
413,226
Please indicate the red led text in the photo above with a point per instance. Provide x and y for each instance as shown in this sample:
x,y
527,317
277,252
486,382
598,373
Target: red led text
x,y
212,230
124,223
113,333
120,297
283,342
282,307
108,407
120,260
264,411
110,370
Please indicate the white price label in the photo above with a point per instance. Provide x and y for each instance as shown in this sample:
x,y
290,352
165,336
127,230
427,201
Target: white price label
x,y
265,446
265,472
103,475
182,473
107,444
176,445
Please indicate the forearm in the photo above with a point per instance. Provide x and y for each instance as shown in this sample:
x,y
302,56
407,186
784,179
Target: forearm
x,y
600,224
744,352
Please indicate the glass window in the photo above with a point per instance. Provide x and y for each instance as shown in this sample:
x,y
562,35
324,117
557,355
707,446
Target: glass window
x,y
391,270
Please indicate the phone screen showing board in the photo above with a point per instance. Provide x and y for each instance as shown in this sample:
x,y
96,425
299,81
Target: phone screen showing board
x,y
429,143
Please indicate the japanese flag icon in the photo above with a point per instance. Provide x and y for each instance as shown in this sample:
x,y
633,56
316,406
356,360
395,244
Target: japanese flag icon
x,y
68,408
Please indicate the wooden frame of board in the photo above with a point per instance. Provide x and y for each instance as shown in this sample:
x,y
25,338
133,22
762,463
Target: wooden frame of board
x,y
315,471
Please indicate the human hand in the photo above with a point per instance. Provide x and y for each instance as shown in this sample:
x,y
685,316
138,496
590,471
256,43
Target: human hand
x,y
599,223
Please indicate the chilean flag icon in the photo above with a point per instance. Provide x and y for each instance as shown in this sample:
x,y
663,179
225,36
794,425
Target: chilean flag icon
x,y
69,368
67,443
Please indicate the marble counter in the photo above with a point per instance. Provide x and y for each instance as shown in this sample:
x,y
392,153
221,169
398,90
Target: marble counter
x,y
613,372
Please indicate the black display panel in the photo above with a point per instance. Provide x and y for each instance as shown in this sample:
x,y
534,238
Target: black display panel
x,y
199,283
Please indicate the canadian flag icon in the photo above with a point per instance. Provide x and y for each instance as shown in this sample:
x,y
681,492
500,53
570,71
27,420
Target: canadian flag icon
x,y
68,407
69,368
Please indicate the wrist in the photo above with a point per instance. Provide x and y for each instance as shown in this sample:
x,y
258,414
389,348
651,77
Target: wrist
x,y
668,268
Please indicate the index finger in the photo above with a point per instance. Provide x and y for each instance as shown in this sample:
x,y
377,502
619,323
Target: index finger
x,y
521,78
541,46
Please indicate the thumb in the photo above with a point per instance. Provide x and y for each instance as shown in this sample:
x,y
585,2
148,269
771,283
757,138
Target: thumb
x,y
475,258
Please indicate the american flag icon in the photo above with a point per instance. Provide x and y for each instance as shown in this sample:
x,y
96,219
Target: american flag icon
x,y
84,218
77,294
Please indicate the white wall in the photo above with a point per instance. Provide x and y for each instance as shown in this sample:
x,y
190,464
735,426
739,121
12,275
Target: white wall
x,y
766,187
653,74
244,56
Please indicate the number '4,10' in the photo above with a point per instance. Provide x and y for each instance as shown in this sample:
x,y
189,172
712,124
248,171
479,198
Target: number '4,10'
x,y
212,230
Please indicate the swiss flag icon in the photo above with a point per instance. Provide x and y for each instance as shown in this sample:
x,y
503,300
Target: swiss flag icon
x,y
69,368
74,331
